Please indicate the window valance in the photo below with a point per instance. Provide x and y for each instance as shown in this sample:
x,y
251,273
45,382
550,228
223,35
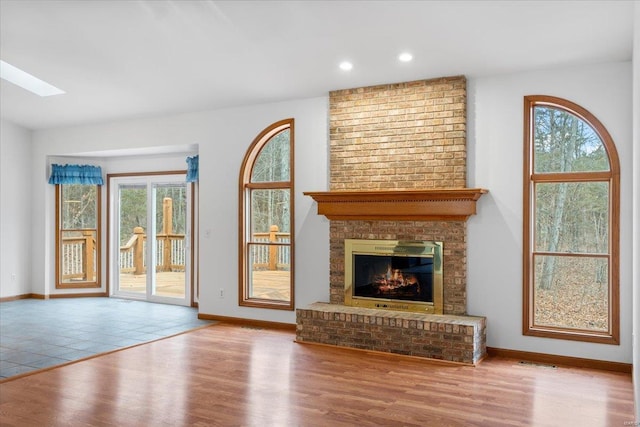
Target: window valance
x,y
76,174
192,168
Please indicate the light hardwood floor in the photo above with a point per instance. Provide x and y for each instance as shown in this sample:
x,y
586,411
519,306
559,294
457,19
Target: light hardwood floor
x,y
228,375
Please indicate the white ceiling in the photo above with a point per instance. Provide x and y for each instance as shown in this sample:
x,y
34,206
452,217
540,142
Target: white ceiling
x,y
128,59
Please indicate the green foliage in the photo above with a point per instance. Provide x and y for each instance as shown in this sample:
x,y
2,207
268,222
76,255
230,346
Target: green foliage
x,y
133,208
178,194
78,206
272,206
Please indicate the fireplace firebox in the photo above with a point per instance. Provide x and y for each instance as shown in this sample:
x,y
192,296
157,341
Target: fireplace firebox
x,y
394,275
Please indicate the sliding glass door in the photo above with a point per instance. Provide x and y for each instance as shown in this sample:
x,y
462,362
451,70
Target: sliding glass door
x,y
150,238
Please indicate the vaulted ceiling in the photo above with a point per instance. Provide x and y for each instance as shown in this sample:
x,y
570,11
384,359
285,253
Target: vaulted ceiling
x,y
129,59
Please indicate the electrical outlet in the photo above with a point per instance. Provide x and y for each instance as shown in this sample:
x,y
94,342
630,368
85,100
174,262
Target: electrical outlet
x,y
221,293
13,277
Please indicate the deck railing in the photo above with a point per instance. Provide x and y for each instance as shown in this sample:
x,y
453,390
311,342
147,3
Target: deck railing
x,y
79,257
169,252
274,256
80,263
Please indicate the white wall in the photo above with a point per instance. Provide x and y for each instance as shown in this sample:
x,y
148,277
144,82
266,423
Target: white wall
x,y
636,208
495,162
222,138
495,143
15,212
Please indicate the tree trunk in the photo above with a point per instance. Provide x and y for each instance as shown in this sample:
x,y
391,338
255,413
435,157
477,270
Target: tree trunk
x,y
549,262
567,152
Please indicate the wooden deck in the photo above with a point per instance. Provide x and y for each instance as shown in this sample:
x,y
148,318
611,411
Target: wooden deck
x,y
272,285
168,284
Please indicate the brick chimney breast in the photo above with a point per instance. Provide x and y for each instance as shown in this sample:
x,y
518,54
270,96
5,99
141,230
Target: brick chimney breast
x,y
401,136
394,138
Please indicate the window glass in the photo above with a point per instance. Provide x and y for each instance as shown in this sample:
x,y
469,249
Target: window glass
x,y
272,164
572,217
571,292
78,260
565,143
270,208
79,206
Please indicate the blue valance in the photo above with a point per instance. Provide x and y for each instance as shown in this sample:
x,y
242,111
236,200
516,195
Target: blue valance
x,y
192,169
76,174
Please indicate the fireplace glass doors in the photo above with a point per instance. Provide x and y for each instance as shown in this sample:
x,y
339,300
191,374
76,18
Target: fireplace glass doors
x,y
394,275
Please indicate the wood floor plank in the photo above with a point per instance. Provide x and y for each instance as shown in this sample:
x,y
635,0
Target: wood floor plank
x,y
227,375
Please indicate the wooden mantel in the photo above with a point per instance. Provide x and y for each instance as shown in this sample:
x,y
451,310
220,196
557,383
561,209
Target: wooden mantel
x,y
445,204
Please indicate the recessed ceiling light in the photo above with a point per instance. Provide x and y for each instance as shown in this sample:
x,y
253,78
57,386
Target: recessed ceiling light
x,y
405,57
26,81
346,65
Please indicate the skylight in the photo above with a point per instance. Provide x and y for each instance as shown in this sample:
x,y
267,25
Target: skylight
x,y
26,81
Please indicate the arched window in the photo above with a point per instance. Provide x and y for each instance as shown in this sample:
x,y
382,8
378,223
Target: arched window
x,y
266,220
571,224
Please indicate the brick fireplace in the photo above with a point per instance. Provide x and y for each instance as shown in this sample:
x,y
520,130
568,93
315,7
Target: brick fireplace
x,y
402,144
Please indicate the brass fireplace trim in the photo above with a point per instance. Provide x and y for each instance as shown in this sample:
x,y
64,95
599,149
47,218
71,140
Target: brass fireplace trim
x,y
395,248
448,204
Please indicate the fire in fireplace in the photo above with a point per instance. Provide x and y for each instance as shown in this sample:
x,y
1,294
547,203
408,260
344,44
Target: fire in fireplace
x,y
394,275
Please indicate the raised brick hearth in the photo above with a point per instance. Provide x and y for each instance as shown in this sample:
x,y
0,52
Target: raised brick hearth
x,y
399,137
452,338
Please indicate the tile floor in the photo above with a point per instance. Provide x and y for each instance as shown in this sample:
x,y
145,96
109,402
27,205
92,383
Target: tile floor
x,y
36,334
